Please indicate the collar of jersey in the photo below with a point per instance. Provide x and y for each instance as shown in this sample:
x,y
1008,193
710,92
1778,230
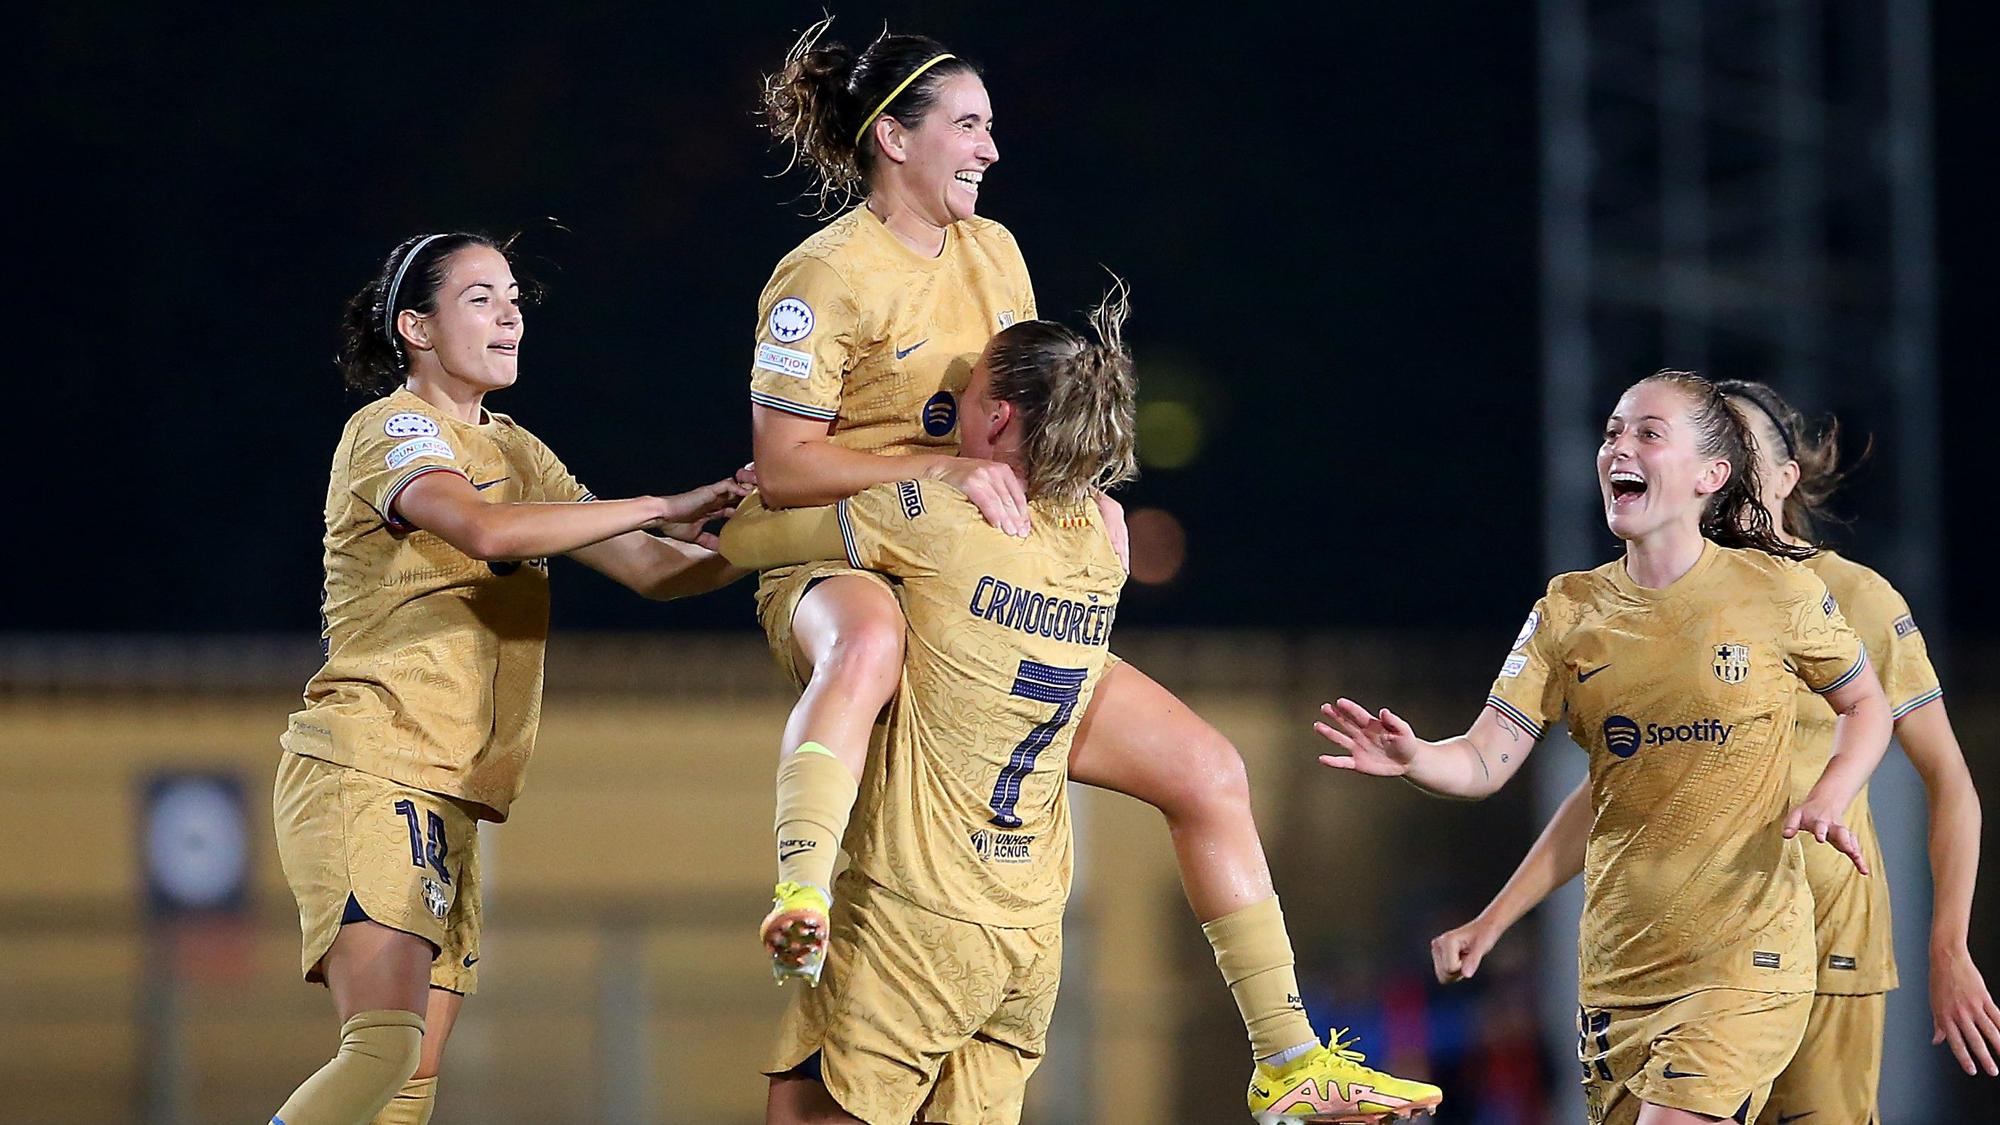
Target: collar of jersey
x,y
903,252
1623,580
429,411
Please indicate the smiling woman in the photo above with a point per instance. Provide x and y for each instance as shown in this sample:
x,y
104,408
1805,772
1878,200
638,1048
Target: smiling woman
x,y
440,517
1676,668
867,336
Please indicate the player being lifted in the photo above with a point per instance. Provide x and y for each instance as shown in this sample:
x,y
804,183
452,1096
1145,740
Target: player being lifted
x,y
440,517
1837,1071
946,930
946,941
1676,667
866,337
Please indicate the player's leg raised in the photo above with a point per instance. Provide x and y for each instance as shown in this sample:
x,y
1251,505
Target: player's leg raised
x,y
1136,738
847,636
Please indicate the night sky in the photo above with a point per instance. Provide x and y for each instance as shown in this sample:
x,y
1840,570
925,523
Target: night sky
x,y
1328,222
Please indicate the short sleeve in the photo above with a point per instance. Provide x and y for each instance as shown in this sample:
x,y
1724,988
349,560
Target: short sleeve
x,y
1820,646
903,529
556,484
1528,689
1896,646
1024,285
387,455
807,334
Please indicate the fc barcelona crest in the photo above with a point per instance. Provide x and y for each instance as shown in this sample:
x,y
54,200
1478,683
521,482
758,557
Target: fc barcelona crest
x,y
1732,663
435,900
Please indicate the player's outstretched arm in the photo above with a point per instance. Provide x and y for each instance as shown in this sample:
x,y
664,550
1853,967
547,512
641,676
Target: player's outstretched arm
x,y
760,539
1556,858
1861,729
660,569
798,467
1470,766
1963,1013
446,505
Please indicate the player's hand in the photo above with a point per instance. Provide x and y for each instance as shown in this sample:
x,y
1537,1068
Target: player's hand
x,y
1456,954
1820,819
1963,1013
1379,744
747,475
1114,526
685,515
995,489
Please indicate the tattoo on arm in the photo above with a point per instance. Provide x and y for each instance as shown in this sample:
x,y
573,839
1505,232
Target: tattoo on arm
x,y
1507,725
1484,773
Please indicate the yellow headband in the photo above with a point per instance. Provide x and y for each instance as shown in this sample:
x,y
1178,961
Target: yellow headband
x,y
893,95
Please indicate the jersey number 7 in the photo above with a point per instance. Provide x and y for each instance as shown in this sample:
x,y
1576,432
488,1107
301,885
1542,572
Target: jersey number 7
x,y
1042,683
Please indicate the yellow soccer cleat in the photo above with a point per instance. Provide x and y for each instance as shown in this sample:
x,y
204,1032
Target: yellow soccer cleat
x,y
1329,1085
795,932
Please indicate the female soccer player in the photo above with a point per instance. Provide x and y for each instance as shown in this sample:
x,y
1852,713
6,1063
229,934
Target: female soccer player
x,y
440,517
1836,1073
1676,666
946,938
867,333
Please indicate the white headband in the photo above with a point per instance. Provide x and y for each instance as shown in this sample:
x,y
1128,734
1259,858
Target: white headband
x,y
389,306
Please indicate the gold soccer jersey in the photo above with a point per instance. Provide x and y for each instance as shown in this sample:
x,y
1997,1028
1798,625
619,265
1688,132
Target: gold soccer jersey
x,y
1683,697
962,808
433,674
1851,911
857,330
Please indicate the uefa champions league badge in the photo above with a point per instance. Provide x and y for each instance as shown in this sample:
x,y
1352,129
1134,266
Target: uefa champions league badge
x,y
1527,629
791,319
410,425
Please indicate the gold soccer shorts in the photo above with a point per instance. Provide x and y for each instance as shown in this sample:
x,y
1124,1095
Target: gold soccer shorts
x,y
923,1017
778,594
356,846
1837,1074
1714,1052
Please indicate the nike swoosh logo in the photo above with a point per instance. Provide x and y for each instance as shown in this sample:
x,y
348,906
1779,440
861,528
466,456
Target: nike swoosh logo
x,y
793,852
486,484
902,353
470,960
1584,677
1668,1071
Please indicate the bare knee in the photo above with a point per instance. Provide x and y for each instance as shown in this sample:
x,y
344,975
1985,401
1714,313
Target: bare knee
x,y
847,632
865,658
440,1016
1220,769
432,1059
1208,778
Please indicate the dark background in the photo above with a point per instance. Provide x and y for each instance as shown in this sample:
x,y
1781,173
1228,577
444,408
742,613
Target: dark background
x,y
1328,217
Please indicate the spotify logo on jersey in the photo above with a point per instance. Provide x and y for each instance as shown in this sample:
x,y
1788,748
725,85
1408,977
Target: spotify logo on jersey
x,y
1621,736
940,414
